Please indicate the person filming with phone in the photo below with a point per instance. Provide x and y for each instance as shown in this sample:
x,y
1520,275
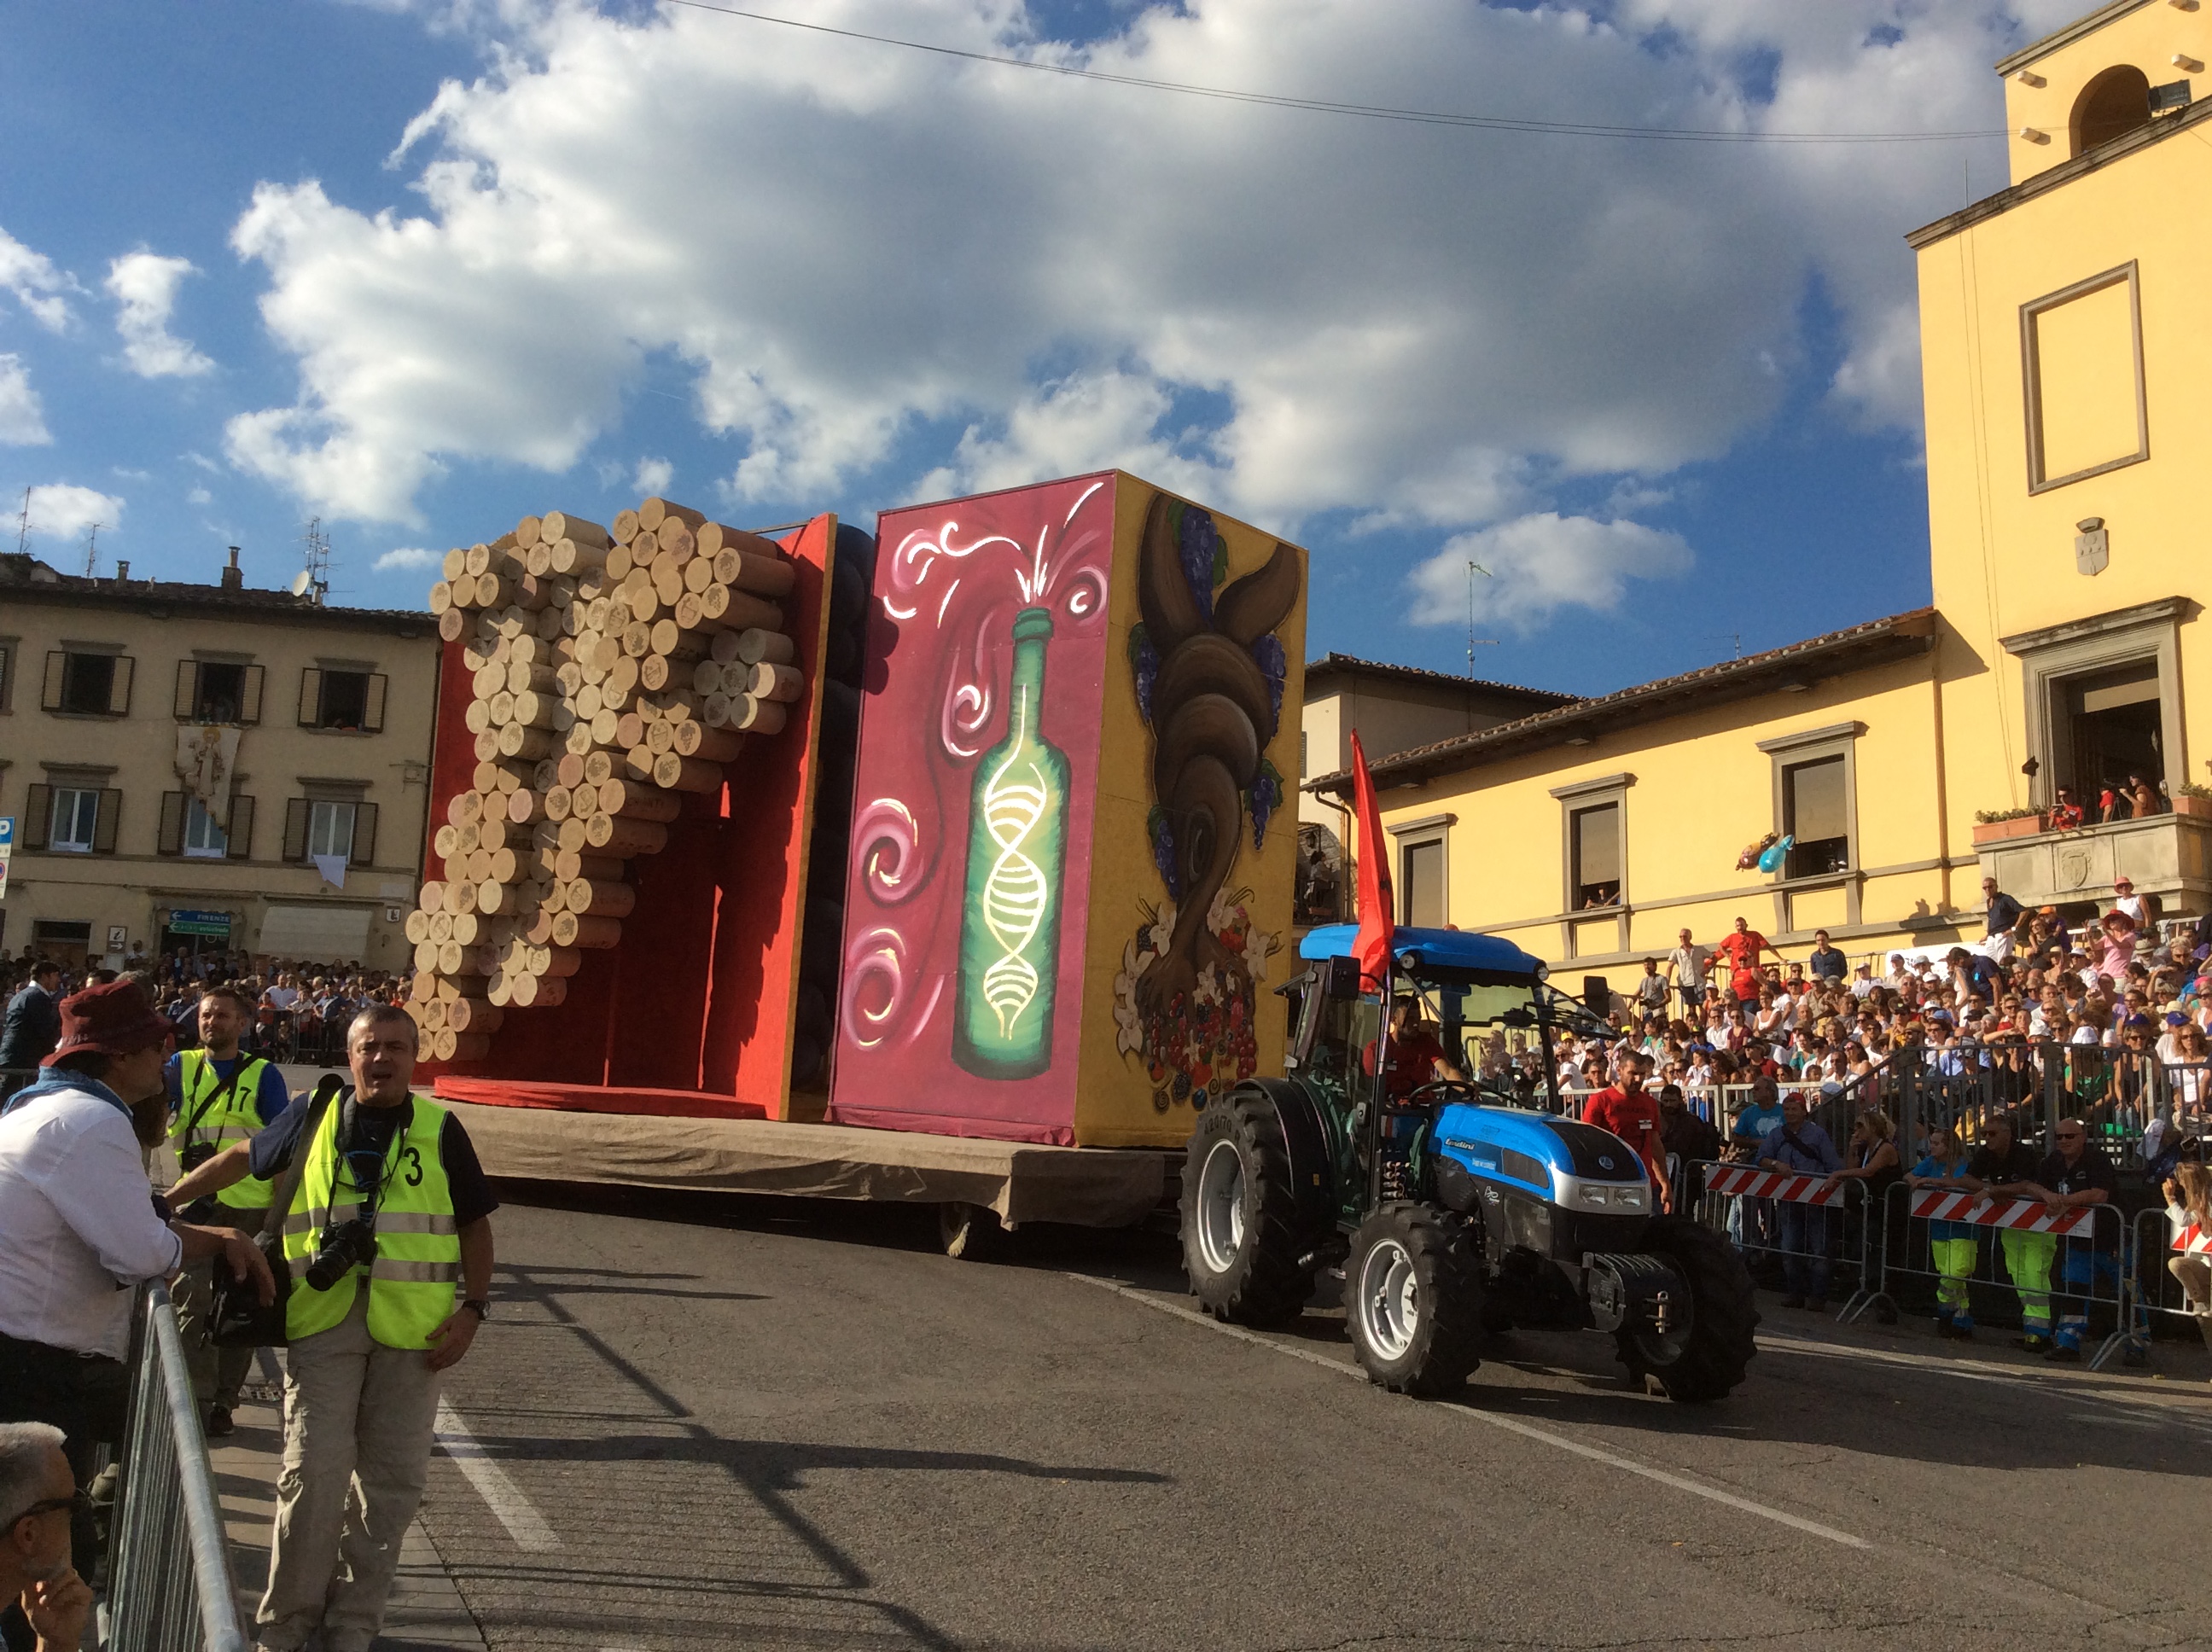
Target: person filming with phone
x,y
386,1236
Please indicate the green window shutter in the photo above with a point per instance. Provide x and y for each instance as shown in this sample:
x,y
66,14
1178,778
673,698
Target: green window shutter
x,y
119,689
311,705
109,817
372,720
240,837
249,711
56,669
188,689
37,816
295,828
364,835
170,838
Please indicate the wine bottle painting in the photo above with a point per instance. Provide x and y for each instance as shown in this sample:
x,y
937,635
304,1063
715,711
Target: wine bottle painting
x,y
1017,854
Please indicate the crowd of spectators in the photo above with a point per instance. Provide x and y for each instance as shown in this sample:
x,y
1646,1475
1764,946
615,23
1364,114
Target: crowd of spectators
x,y
301,1008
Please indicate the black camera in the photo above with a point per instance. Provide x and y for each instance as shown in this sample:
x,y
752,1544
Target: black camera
x,y
195,1155
343,1249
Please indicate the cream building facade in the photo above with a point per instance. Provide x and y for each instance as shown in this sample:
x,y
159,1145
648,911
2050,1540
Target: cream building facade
x,y
2063,345
209,767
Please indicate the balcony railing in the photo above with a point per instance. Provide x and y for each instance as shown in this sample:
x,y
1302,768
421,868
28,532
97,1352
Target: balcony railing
x,y
2167,855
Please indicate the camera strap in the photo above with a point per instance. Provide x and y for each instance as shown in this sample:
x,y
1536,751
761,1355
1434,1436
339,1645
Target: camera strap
x,y
193,1124
371,1197
287,1187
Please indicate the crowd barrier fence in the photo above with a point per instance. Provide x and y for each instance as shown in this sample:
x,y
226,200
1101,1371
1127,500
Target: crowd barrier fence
x,y
2157,1288
169,1583
1807,1227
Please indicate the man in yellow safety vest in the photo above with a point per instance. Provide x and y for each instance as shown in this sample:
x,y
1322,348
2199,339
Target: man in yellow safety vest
x,y
219,1096
388,1237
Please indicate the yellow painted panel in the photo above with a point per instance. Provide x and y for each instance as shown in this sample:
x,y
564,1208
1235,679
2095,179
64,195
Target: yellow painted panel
x,y
2085,355
1816,909
1144,1071
1594,937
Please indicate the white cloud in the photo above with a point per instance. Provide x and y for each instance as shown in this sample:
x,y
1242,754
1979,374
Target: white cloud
x,y
144,288
39,287
1539,563
1425,326
409,556
653,475
62,510
199,496
22,420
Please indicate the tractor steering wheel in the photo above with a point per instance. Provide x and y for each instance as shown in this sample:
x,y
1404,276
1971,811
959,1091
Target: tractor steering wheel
x,y
1441,1091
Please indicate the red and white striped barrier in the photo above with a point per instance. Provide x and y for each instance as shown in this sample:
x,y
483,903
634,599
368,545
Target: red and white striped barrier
x,y
1752,1182
2026,1215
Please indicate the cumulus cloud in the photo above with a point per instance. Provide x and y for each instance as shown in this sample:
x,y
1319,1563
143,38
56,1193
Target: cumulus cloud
x,y
407,556
38,285
144,288
22,420
1537,564
62,510
199,496
653,475
1428,326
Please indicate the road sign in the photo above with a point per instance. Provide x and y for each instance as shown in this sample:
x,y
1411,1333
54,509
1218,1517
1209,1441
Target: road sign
x,y
7,848
200,923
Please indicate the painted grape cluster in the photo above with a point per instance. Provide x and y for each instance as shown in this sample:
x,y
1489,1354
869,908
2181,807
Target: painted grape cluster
x,y
1203,1041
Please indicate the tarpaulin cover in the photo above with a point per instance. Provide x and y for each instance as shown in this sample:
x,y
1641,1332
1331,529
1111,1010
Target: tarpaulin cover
x,y
1098,1188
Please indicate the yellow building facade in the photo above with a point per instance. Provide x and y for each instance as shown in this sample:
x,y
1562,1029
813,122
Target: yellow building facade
x,y
2063,343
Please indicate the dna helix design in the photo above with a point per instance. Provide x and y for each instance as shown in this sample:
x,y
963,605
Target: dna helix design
x,y
1015,895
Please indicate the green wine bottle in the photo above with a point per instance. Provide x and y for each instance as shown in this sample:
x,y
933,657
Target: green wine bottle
x,y
1017,854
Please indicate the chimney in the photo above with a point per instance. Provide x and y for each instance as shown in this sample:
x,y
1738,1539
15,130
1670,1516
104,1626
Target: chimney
x,y
122,570
232,578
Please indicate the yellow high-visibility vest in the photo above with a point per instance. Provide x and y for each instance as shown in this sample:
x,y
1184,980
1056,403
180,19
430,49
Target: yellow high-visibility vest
x,y
232,1120
415,1281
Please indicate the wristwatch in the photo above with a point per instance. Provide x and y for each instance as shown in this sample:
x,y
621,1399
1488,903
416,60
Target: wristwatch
x,y
482,1305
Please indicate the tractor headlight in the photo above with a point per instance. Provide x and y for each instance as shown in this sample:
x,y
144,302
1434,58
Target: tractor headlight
x,y
1597,1197
1632,1198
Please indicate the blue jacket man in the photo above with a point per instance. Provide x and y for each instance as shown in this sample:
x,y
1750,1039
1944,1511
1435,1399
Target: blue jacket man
x,y
33,1026
1799,1146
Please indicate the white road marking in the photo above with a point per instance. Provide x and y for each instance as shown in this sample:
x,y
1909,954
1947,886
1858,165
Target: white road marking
x,y
1627,1464
529,1528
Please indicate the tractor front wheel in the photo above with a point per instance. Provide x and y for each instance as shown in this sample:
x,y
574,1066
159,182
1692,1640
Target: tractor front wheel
x,y
1413,1300
1241,1242
1706,1361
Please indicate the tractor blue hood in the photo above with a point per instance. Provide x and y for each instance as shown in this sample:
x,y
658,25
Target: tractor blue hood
x,y
1539,1152
1446,949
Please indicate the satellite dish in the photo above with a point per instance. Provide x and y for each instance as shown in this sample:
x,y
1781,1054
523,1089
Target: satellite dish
x,y
300,585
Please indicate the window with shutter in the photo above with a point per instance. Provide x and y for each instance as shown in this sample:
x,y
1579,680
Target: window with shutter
x,y
203,838
75,823
311,703
187,703
372,721
1595,874
249,704
330,827
8,653
50,698
169,836
240,835
297,810
105,824
364,834
345,699
118,691
222,697
37,816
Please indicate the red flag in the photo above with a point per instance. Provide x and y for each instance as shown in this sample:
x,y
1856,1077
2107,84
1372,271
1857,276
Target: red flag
x,y
1378,901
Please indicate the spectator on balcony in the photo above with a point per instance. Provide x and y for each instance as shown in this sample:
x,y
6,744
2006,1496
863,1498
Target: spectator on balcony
x,y
2066,814
2144,798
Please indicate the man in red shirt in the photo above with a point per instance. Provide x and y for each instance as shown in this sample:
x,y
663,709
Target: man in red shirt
x,y
1626,1108
1415,1056
1742,950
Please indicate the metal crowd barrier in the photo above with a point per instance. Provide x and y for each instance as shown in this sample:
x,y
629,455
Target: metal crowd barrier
x,y
2157,1288
170,1587
1809,1229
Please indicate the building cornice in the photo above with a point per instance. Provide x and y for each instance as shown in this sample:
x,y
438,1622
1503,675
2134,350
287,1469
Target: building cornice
x,y
2066,36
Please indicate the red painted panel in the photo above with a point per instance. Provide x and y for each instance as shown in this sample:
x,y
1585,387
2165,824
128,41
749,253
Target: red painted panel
x,y
595,1098
951,581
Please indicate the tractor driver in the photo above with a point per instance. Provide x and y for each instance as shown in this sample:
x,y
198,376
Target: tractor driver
x,y
1414,1057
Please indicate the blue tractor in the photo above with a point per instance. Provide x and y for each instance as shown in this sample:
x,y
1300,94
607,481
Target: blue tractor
x,y
1460,1210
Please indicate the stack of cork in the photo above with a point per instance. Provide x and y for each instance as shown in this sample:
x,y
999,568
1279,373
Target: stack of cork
x,y
613,670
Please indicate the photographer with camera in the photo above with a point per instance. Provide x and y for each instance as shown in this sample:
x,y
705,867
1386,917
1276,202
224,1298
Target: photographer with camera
x,y
219,1096
388,1238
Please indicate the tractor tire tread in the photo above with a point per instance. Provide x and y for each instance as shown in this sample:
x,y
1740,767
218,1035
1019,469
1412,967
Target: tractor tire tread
x,y
1722,1337
1268,1287
1448,1344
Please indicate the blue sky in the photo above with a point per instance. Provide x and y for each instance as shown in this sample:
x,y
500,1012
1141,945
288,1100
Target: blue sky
x,y
1664,392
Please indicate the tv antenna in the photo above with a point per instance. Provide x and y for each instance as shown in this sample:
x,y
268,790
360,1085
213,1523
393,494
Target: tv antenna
x,y
316,575
1473,641
91,551
23,526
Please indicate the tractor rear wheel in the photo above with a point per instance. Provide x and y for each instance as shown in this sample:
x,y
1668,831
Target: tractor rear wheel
x,y
1413,1300
1706,1362
1241,1238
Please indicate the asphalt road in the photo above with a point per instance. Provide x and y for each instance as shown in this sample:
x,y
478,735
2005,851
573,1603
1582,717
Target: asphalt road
x,y
714,1423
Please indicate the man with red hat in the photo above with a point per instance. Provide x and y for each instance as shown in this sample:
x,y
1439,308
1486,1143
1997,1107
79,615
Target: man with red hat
x,y
80,1221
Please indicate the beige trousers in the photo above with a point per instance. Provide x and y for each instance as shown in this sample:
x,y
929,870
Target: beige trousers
x,y
217,1373
358,1421
2194,1270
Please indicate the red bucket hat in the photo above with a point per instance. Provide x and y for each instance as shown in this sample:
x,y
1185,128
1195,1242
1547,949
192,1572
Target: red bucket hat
x,y
114,1019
